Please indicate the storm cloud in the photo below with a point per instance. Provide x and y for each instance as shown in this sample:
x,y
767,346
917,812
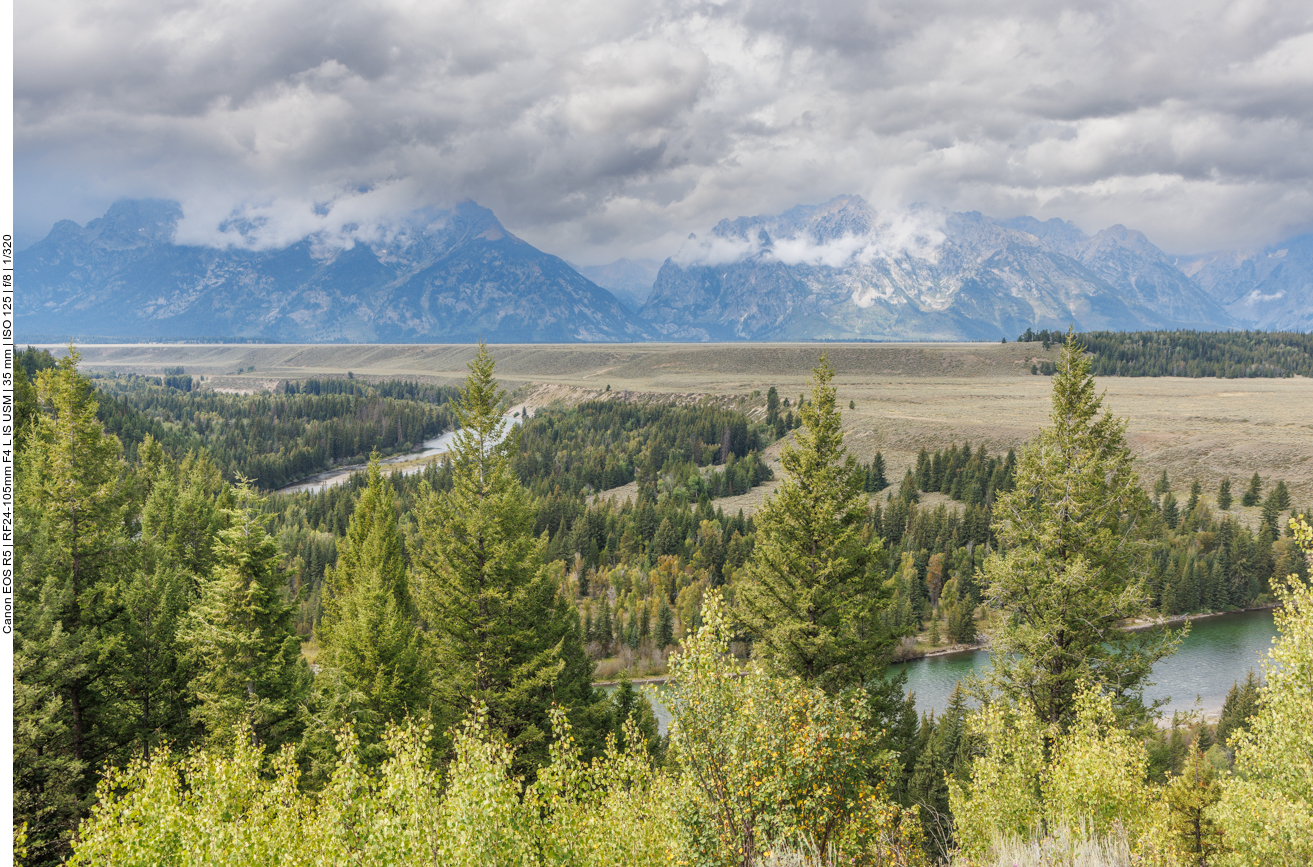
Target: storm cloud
x,y
601,128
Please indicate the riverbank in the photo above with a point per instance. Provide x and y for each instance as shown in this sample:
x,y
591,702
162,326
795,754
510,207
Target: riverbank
x,y
408,463
982,646
1178,619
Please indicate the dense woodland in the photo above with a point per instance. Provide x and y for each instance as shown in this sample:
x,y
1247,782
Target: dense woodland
x,y
399,669
1226,354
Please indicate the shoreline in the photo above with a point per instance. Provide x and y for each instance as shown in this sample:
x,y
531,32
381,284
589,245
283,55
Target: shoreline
x,y
983,644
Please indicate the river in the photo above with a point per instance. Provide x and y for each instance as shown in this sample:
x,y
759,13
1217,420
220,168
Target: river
x,y
408,463
1218,652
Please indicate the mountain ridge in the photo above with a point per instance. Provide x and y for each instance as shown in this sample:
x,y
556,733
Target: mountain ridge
x,y
837,270
841,270
457,278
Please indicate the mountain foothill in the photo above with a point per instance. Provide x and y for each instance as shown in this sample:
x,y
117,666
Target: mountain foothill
x,y
841,270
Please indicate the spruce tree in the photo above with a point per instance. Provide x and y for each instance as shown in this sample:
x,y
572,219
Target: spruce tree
x,y
812,596
944,756
1241,705
368,631
1190,798
665,626
1280,497
1254,495
241,640
1067,572
499,631
1171,511
1224,495
71,546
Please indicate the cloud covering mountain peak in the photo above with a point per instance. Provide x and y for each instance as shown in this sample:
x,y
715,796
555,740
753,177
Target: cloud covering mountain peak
x,y
607,128
841,232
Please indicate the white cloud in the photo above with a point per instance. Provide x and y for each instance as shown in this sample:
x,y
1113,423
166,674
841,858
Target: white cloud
x,y
891,235
597,128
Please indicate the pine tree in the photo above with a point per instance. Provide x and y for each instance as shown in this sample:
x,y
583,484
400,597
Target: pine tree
x,y
1067,570
498,628
943,756
666,542
1280,497
665,628
368,632
1224,495
1171,511
1162,486
240,638
1254,495
811,596
1196,491
1241,705
71,545
1189,798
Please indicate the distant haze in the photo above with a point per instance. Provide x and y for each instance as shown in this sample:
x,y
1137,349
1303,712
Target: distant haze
x,y
608,129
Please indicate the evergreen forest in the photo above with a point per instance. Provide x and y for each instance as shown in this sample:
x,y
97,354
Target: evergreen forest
x,y
1223,354
437,667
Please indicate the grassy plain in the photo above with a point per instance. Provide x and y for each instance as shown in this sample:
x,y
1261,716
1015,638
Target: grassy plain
x,y
906,395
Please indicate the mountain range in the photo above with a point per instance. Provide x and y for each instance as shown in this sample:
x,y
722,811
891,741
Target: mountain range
x,y
456,276
837,271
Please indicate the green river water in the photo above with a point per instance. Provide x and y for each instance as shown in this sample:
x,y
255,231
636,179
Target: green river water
x,y
1218,652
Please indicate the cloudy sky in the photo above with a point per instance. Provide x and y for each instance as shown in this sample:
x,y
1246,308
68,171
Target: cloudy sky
x,y
604,128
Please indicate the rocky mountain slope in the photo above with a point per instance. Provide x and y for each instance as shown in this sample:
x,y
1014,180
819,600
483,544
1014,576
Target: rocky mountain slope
x,y
843,271
1269,289
836,271
457,276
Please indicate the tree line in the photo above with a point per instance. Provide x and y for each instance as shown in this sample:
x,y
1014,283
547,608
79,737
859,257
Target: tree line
x,y
449,714
1223,354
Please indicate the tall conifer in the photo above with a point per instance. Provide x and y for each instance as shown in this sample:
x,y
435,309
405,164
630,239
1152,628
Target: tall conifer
x,y
812,597
71,543
241,639
499,630
1067,572
368,632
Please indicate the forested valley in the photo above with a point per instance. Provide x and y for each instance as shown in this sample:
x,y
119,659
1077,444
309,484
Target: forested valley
x,y
401,669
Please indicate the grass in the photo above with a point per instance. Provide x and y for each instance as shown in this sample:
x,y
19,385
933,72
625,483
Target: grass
x,y
907,395
1062,847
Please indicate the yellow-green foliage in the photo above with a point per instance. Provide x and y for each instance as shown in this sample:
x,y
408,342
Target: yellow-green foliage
x,y
1093,779
1098,772
613,812
768,760
1266,812
235,810
1003,796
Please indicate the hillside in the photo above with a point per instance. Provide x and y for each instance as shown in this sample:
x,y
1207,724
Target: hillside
x,y
843,271
446,277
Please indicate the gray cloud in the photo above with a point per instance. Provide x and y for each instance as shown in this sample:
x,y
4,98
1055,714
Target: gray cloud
x,y
600,128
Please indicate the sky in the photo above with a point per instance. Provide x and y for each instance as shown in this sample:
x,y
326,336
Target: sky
x,y
602,129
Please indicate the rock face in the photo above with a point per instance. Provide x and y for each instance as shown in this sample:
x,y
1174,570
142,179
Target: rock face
x,y
455,276
843,271
837,271
1269,289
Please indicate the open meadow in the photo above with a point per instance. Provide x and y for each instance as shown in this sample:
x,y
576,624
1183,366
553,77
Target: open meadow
x,y
906,396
